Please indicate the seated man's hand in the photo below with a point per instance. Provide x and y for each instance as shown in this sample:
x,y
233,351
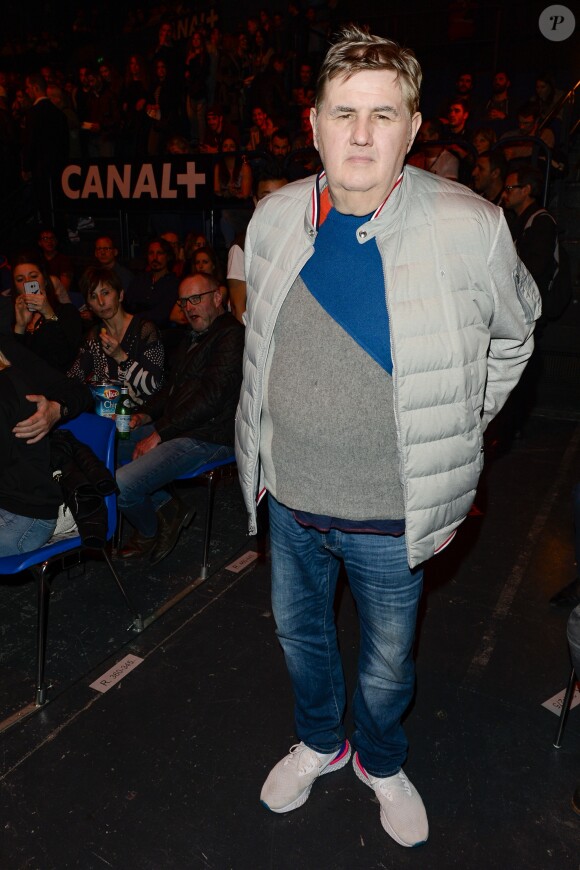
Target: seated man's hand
x,y
146,444
41,422
139,420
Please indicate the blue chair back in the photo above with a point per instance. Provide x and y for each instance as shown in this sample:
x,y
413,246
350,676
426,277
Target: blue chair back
x,y
98,433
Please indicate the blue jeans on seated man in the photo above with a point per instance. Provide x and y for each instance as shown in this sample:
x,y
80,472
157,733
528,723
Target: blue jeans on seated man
x,y
305,567
20,534
141,481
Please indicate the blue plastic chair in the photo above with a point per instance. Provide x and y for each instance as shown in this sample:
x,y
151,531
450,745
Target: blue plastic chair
x,y
99,434
209,472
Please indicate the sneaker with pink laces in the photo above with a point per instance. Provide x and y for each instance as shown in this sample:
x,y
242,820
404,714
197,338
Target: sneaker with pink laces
x,y
288,784
403,813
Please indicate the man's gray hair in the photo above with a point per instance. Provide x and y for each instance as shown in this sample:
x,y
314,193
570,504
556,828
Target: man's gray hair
x,y
357,50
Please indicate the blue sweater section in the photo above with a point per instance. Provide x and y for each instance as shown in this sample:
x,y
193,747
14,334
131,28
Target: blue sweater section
x,y
346,278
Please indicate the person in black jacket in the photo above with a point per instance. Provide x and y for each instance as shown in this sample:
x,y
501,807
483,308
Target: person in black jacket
x,y
33,398
45,143
187,424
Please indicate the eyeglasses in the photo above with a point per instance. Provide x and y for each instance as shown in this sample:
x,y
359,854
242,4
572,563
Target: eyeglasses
x,y
103,249
193,300
509,187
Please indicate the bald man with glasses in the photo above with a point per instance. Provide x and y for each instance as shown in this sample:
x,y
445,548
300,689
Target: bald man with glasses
x,y
187,424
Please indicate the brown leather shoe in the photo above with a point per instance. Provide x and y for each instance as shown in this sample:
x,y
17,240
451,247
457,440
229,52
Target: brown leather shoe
x,y
170,529
137,546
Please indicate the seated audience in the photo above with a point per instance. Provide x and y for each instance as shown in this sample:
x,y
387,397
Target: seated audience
x,y
269,180
430,155
489,175
483,139
497,108
120,346
535,232
33,398
188,423
106,254
52,329
60,266
29,495
153,292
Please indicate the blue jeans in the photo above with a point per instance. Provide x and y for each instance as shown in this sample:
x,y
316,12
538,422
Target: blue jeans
x,y
20,534
141,481
305,567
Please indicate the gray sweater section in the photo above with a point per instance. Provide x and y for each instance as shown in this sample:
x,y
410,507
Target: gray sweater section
x,y
328,441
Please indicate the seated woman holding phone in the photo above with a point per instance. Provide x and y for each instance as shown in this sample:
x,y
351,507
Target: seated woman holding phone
x,y
52,329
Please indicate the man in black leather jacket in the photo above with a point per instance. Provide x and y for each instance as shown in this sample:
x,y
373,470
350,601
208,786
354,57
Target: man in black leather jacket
x,y
185,425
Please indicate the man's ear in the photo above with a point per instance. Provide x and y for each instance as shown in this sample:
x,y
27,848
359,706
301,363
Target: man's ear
x,y
416,122
313,117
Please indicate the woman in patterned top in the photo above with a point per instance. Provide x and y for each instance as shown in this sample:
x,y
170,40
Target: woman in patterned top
x,y
121,347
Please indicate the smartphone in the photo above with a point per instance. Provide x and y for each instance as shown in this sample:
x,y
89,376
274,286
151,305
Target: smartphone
x,y
31,287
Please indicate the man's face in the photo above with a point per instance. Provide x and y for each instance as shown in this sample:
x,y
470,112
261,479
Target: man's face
x,y
526,124
156,258
305,74
305,125
258,117
543,90
363,132
105,252
457,116
173,240
481,174
280,146
165,34
268,186
47,242
464,83
213,121
500,83
201,315
514,194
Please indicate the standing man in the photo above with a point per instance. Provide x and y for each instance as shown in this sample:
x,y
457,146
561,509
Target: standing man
x,y
388,319
45,143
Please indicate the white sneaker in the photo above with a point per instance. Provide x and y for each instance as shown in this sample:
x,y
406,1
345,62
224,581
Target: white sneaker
x,y
289,782
403,813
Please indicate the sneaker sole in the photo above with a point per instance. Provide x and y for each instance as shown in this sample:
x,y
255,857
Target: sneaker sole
x,y
339,761
361,774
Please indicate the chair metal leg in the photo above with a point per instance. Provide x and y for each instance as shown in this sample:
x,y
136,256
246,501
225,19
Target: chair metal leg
x,y
208,518
565,709
43,588
137,618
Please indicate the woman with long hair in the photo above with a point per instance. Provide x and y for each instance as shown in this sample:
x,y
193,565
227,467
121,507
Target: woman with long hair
x,y
52,329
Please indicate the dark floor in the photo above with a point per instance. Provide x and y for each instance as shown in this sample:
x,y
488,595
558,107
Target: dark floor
x,y
163,771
